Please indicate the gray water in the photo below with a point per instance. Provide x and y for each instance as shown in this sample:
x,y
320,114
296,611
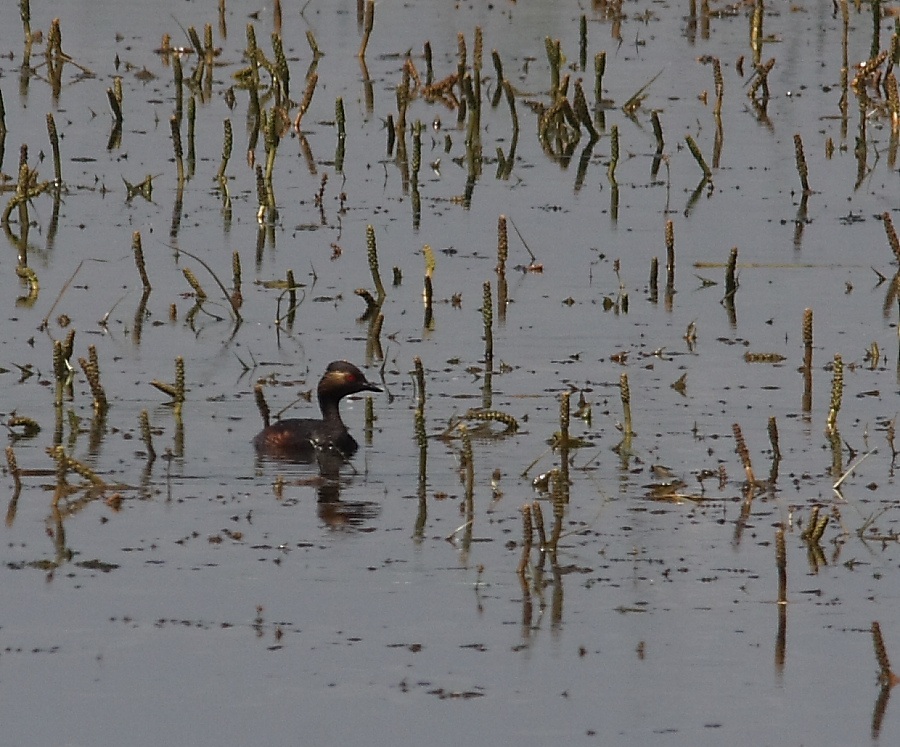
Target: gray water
x,y
194,602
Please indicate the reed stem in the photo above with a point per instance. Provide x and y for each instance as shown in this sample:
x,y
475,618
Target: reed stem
x,y
781,565
802,169
625,393
670,255
372,254
369,24
743,453
487,315
54,145
138,252
891,234
837,393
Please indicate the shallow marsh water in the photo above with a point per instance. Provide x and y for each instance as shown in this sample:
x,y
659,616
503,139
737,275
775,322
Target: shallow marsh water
x,y
209,607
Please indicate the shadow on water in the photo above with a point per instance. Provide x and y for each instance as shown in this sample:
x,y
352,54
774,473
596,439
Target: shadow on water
x,y
335,472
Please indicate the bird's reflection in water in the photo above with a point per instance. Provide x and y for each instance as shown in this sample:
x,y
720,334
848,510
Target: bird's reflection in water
x,y
335,512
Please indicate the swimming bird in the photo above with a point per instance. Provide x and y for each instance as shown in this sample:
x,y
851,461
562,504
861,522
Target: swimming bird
x,y
303,437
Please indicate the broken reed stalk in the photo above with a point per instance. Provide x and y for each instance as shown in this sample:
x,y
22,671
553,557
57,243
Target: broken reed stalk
x,y
191,129
60,371
698,157
625,393
512,425
743,452
419,378
837,393
657,131
372,304
313,44
138,251
890,434
670,255
802,170
261,194
730,276
429,65
613,153
773,438
403,94
417,153
54,145
92,373
891,234
477,66
177,390
369,414
25,13
890,85
13,466
227,145
527,535
195,284
66,463
761,80
178,76
807,533
174,121
428,293
469,465
262,405
237,296
114,95
553,59
818,528
807,359
580,107
375,333
538,516
252,54
228,296
209,52
781,565
93,359
808,333
270,135
68,348
307,98
283,76
886,675
368,24
582,42
561,486
179,379
502,245
487,315
292,297
498,74
654,279
195,42
419,417
720,85
147,435
372,255
30,427
340,118
599,70
511,100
